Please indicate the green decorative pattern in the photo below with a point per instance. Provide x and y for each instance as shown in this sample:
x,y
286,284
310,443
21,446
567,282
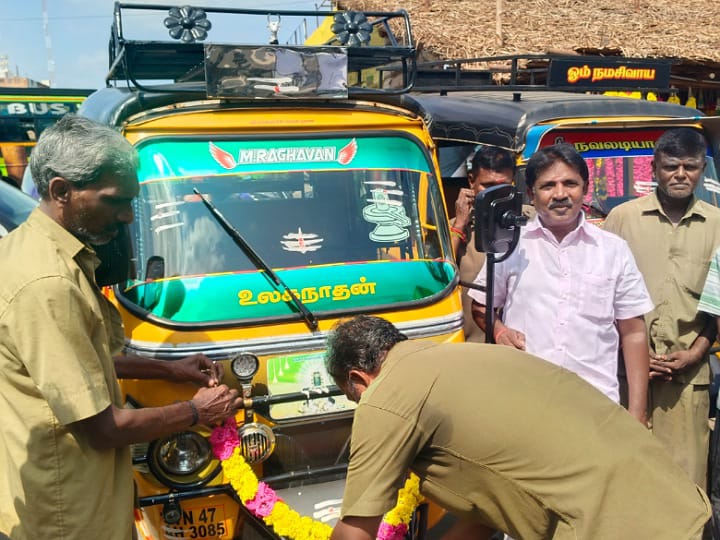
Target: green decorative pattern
x,y
162,159
251,295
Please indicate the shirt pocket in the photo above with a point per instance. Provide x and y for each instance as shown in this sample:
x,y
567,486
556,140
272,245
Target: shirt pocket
x,y
596,297
693,274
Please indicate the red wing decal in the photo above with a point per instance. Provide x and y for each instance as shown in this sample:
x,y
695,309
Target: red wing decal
x,y
225,159
347,153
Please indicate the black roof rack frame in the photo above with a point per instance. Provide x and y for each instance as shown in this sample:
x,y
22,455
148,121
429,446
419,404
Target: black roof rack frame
x,y
141,64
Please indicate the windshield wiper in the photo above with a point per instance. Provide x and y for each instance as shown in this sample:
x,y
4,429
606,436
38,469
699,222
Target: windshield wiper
x,y
258,261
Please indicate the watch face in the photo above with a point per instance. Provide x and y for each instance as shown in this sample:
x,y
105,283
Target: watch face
x,y
244,365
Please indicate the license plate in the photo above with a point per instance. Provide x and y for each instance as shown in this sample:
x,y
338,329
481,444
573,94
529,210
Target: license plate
x,y
199,522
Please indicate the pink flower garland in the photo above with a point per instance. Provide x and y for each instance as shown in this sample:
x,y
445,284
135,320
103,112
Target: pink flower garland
x,y
266,505
224,439
263,502
391,532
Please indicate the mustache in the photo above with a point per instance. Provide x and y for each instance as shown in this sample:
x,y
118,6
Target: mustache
x,y
565,203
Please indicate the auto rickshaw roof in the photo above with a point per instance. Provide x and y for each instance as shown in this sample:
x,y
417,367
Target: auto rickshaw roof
x,y
502,117
114,105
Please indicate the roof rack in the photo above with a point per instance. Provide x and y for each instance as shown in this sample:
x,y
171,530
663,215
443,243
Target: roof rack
x,y
528,72
359,41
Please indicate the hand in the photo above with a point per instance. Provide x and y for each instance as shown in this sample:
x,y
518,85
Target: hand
x,y
198,369
659,370
510,337
463,207
664,366
216,404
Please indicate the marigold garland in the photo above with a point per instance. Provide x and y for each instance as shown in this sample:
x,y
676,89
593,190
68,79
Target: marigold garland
x,y
262,501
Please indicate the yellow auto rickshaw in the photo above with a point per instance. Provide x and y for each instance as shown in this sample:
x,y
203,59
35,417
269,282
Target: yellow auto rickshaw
x,y
276,198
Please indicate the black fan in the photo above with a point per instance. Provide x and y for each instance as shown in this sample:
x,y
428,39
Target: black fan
x,y
352,28
187,24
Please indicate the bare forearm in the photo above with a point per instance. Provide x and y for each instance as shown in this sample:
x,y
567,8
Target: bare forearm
x,y
115,427
129,366
356,528
705,339
478,314
637,372
467,530
633,336
196,368
456,243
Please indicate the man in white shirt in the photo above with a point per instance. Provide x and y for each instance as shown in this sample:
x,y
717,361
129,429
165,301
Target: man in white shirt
x,y
571,293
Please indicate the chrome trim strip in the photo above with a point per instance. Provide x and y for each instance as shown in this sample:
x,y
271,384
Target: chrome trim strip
x,y
283,344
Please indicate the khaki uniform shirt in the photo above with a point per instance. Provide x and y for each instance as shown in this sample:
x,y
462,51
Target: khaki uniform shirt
x,y
470,261
674,261
516,443
57,337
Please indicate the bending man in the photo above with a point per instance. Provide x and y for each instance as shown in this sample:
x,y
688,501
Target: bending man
x,y
501,439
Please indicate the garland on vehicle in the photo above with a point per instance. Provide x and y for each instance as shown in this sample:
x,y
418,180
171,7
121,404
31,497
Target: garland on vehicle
x,y
262,501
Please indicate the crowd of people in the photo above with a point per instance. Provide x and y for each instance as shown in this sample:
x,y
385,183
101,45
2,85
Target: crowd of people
x,y
589,416
620,305
588,419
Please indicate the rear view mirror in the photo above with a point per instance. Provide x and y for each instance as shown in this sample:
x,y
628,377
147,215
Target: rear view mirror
x,y
154,271
498,218
155,268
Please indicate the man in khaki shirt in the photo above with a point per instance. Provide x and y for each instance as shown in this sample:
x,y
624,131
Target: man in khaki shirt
x,y
65,470
673,236
502,440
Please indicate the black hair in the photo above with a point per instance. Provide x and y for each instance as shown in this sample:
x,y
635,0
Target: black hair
x,y
360,343
492,158
681,142
544,158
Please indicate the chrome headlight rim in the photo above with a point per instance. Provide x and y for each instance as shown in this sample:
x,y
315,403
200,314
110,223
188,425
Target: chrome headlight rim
x,y
199,477
239,365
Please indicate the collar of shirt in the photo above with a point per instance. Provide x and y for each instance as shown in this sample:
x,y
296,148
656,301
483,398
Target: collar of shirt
x,y
83,254
651,204
583,231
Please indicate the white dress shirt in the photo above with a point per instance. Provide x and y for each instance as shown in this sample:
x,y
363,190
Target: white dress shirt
x,y
566,296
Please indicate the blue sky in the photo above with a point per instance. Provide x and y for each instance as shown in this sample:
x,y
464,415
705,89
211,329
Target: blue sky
x,y
79,32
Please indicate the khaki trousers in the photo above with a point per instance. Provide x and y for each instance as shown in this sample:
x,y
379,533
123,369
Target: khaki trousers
x,y
679,416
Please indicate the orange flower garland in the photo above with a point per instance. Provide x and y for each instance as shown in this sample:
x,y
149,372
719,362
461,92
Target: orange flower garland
x,y
262,501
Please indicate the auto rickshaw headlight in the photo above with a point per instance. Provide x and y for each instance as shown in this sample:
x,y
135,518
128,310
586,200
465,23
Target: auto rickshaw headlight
x,y
183,460
183,453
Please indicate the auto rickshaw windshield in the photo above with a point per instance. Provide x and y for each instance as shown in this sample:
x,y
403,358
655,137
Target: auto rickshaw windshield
x,y
335,218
